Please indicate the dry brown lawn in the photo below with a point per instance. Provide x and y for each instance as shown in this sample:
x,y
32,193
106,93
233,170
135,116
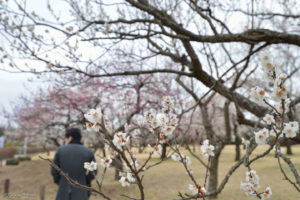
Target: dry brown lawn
x,y
161,182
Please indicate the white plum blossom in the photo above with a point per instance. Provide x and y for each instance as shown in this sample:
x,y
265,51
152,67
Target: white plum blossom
x,y
92,166
106,162
245,141
140,120
269,119
134,164
157,149
94,115
173,120
167,103
261,136
124,181
195,189
162,118
207,149
251,184
282,76
176,157
252,177
186,160
294,125
268,68
257,94
267,193
120,139
289,131
89,126
247,188
93,127
168,130
150,118
130,177
277,149
273,133
278,106
280,91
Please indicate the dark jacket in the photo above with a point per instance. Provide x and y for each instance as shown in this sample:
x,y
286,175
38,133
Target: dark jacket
x,y
70,159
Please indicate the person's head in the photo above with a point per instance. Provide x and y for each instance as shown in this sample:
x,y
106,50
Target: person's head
x,y
73,134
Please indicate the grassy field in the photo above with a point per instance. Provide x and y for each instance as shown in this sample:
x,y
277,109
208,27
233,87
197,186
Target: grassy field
x,y
161,182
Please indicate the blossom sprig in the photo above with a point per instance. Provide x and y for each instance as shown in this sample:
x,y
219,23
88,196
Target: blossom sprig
x,y
275,121
186,160
257,94
163,123
269,68
261,136
251,186
134,165
94,118
269,119
90,166
196,189
207,149
120,140
157,149
106,162
167,104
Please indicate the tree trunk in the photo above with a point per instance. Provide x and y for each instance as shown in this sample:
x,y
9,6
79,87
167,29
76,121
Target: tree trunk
x,y
227,121
140,148
288,147
164,151
213,175
237,144
117,163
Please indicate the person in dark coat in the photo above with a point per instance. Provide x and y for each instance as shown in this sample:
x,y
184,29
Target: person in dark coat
x,y
70,158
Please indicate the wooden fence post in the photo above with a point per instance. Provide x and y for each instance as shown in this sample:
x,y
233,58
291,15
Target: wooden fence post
x,y
42,192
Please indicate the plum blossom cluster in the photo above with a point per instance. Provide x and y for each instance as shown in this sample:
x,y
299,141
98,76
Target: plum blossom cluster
x,y
196,189
280,105
106,162
126,179
262,136
90,166
271,74
207,149
181,158
275,126
162,123
251,186
120,139
291,129
94,117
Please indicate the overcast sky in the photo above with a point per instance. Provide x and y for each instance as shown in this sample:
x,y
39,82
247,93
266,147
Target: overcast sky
x,y
11,87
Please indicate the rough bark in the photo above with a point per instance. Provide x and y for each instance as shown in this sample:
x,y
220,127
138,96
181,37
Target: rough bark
x,y
213,175
164,151
237,144
227,121
117,163
288,147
